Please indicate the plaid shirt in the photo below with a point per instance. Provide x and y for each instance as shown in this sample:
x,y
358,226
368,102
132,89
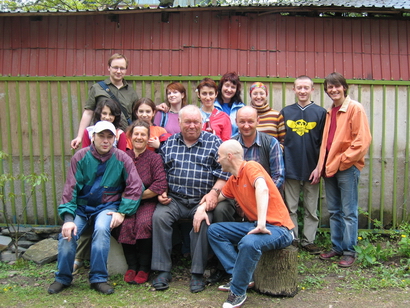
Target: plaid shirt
x,y
192,171
276,164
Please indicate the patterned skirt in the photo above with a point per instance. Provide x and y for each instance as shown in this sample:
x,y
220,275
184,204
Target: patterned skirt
x,y
137,226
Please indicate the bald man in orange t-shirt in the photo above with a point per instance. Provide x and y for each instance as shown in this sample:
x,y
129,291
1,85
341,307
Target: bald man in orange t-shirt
x,y
269,226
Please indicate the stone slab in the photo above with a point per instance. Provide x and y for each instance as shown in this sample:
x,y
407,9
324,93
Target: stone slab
x,y
31,236
47,230
7,256
20,231
116,260
5,240
42,252
26,244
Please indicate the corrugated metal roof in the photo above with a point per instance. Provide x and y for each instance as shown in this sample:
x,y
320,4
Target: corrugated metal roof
x,y
397,4
327,5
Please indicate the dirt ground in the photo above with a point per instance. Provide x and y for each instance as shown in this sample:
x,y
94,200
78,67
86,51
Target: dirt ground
x,y
333,293
330,296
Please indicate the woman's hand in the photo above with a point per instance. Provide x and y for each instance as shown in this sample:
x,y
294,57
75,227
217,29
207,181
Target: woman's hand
x,y
162,107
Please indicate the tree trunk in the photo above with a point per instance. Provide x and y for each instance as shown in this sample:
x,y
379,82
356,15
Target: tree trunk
x,y
277,272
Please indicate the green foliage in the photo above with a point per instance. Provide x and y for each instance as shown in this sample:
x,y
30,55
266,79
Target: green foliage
x,y
404,246
54,5
313,282
30,181
380,264
323,239
370,255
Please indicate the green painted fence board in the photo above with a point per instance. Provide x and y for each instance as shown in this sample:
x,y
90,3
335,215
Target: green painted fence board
x,y
42,114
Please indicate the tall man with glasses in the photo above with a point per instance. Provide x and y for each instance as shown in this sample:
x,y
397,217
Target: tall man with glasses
x,y
125,94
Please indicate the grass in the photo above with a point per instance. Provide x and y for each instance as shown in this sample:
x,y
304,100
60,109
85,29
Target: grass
x,y
24,284
389,267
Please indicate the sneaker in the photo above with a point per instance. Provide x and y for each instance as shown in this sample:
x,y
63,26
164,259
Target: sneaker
x,y
141,277
329,255
227,287
102,287
234,300
346,261
312,249
56,287
129,276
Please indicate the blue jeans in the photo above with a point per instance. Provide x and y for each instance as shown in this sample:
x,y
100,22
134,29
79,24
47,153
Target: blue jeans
x,y
342,203
241,264
100,248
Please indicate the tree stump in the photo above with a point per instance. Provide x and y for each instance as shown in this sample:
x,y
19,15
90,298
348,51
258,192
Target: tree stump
x,y
277,271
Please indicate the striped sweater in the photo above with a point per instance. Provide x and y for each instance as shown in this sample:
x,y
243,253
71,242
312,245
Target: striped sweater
x,y
271,122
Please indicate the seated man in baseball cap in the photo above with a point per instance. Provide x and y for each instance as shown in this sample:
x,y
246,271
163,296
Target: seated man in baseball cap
x,y
102,187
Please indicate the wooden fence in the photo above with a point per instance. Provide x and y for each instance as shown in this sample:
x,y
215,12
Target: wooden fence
x,y
40,115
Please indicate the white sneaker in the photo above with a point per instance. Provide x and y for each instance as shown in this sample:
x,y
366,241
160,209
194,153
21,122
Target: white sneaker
x,y
234,301
227,287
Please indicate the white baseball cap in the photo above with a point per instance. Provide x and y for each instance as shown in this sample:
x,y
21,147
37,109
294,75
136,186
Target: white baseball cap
x,y
104,125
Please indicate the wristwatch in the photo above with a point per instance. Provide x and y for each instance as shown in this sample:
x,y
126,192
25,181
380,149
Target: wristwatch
x,y
218,191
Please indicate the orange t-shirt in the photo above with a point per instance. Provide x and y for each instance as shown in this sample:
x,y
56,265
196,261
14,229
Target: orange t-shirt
x,y
155,131
242,189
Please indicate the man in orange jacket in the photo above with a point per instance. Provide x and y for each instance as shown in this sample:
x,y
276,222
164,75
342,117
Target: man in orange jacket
x,y
346,140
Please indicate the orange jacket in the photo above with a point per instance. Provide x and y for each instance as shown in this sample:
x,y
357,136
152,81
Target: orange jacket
x,y
351,141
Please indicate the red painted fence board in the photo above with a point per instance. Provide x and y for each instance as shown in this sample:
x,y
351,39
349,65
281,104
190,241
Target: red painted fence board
x,y
206,43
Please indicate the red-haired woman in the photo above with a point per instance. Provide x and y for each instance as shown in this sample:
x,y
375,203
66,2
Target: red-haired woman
x,y
167,113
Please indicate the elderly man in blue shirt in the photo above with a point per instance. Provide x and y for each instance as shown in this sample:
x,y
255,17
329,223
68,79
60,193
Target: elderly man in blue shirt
x,y
194,176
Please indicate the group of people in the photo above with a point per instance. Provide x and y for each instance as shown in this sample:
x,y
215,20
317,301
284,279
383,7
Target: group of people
x,y
143,167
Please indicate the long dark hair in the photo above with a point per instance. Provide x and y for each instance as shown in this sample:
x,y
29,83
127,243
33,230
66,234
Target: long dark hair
x,y
115,110
234,78
143,100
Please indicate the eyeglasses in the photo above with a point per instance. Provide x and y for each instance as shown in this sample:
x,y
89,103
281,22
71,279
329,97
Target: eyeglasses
x,y
116,68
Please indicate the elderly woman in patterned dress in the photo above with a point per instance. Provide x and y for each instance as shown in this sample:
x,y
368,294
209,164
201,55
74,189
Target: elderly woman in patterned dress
x,y
135,233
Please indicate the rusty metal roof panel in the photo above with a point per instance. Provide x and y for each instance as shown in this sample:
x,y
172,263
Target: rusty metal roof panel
x,y
235,4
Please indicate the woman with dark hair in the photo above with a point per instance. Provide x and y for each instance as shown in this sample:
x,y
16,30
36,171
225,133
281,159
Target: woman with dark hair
x,y
214,121
135,233
167,113
144,109
229,97
106,110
